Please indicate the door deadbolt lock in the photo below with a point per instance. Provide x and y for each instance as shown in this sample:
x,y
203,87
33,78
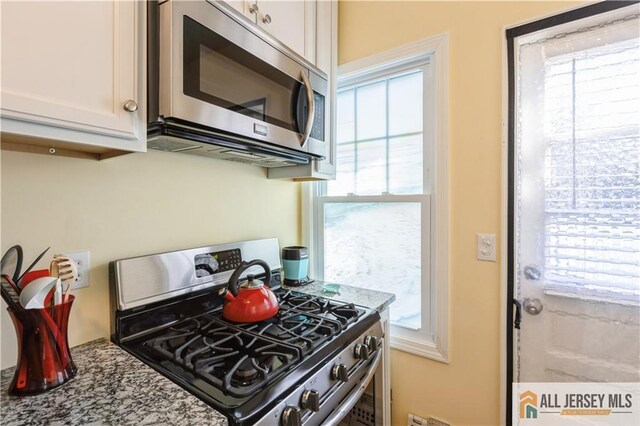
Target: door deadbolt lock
x,y
532,272
532,306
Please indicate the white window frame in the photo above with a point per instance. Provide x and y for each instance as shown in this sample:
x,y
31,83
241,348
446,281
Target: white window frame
x,y
434,52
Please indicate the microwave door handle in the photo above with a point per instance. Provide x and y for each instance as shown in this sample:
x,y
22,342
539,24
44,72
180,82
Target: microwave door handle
x,y
312,109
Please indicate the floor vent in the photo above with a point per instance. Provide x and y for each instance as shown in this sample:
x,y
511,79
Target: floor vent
x,y
419,421
363,413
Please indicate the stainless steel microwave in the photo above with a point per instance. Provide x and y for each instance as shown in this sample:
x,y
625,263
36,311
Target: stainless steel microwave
x,y
220,86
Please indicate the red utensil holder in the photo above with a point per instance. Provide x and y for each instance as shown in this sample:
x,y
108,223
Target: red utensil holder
x,y
44,361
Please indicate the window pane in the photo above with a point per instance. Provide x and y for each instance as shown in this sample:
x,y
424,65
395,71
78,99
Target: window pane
x,y
405,165
345,174
346,118
405,104
371,111
592,193
377,246
372,168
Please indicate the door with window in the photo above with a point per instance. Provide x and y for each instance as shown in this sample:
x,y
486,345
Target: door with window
x,y
575,197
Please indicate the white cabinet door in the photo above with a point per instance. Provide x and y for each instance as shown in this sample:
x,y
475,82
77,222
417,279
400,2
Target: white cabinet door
x,y
73,66
243,6
287,21
327,61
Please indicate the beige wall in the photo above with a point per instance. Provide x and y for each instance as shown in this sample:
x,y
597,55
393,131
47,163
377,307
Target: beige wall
x,y
465,392
128,206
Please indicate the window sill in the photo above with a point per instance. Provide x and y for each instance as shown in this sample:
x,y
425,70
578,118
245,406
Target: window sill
x,y
621,297
424,349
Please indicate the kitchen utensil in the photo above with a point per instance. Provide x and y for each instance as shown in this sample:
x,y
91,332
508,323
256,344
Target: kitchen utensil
x,y
295,261
17,290
251,301
11,263
32,275
19,282
65,268
9,293
57,294
33,296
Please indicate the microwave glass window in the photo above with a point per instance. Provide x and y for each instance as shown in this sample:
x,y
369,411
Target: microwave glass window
x,y
221,73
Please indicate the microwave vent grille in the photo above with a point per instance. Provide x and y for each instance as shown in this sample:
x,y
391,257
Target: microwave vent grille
x,y
170,145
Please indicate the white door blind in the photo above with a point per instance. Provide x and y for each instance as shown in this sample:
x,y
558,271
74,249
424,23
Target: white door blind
x,y
590,129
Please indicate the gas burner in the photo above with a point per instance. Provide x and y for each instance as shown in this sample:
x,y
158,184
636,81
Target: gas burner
x,y
305,331
305,303
246,372
344,313
227,357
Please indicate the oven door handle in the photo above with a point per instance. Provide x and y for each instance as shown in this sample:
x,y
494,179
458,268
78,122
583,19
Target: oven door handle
x,y
352,399
312,108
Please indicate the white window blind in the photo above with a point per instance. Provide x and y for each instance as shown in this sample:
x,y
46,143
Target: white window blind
x,y
590,81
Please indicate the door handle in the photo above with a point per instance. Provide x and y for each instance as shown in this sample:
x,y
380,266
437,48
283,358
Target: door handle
x,y
312,109
532,306
518,319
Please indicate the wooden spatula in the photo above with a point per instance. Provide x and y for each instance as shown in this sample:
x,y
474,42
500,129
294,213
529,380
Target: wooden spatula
x,y
65,268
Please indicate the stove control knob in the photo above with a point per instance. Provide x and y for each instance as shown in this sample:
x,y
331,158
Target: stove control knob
x,y
371,342
310,400
361,351
291,416
340,372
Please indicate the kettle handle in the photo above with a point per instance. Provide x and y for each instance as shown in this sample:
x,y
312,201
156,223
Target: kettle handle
x,y
233,281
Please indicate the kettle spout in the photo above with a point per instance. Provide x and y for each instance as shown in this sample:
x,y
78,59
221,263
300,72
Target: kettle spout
x,y
226,294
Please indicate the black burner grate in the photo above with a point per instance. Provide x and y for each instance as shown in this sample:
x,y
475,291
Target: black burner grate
x,y
304,331
229,358
345,313
240,358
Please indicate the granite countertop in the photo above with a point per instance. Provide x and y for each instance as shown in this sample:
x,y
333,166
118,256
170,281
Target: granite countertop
x,y
373,299
111,388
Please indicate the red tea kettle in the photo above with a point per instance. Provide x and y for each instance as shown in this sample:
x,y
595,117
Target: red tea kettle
x,y
250,301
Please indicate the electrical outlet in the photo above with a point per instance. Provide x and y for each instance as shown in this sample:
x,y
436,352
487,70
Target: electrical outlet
x,y
486,247
419,421
416,421
82,263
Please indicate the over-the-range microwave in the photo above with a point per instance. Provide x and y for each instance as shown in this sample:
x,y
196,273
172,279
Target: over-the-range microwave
x,y
221,87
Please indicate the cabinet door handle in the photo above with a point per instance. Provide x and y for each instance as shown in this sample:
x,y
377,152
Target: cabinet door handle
x,y
266,19
130,106
254,9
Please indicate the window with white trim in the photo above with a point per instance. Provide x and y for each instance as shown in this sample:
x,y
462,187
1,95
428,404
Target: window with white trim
x,y
374,225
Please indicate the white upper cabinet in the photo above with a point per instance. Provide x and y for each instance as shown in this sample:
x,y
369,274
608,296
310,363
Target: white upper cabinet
x,y
287,21
292,22
242,7
75,72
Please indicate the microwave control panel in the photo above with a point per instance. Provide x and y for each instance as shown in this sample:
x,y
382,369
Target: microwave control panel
x,y
317,131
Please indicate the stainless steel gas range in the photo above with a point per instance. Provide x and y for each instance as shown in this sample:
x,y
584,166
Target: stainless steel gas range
x,y
310,364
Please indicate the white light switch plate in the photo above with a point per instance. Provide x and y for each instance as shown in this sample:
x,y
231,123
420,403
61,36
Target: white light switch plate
x,y
486,247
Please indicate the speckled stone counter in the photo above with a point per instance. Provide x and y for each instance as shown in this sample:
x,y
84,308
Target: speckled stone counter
x,y
111,388
360,296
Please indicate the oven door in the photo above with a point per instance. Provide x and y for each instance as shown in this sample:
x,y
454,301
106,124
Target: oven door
x,y
238,80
